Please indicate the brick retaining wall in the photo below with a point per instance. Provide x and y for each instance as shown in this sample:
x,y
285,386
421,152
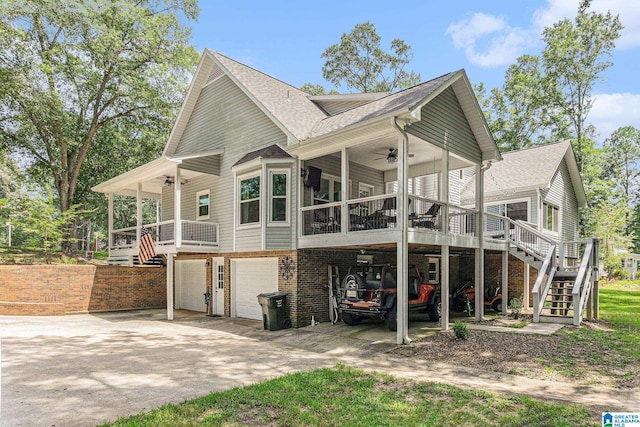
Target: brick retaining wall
x,y
38,290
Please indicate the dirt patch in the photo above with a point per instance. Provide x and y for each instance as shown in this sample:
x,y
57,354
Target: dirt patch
x,y
557,357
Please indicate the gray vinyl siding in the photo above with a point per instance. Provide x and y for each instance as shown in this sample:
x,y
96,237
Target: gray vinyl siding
x,y
357,174
444,116
562,195
224,117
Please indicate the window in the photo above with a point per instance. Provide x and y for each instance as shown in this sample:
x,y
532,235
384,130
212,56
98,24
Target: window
x,y
279,206
330,190
250,200
513,210
364,190
203,201
550,216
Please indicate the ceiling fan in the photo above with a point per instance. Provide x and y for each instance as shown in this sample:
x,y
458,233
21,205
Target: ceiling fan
x,y
391,156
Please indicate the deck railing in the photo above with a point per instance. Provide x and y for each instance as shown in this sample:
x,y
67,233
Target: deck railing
x,y
194,233
380,212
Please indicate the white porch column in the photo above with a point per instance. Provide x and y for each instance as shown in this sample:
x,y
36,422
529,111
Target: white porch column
x,y
479,258
344,190
170,286
110,222
138,213
444,286
402,247
505,281
444,190
525,297
177,209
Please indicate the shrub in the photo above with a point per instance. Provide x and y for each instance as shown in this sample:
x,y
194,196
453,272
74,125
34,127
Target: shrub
x,y
516,307
461,330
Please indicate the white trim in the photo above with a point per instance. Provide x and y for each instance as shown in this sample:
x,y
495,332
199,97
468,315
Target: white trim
x,y
206,192
543,218
510,201
238,201
287,197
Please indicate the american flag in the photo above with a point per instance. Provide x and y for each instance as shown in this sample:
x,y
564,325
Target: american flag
x,y
147,248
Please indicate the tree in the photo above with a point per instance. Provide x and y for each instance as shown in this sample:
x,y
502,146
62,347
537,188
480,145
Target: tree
x,y
44,219
518,113
574,58
74,72
312,89
360,63
622,150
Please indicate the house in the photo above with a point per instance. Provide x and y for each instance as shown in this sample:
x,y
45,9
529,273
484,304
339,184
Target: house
x,y
631,263
263,188
540,186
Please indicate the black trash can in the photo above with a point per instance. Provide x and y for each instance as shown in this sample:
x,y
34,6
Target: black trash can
x,y
273,310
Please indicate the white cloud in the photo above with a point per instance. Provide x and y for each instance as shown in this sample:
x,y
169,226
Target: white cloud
x,y
611,111
489,41
501,44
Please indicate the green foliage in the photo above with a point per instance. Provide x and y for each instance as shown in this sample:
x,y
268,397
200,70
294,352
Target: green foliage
x,y
519,112
515,305
461,330
312,89
352,397
90,88
610,229
360,63
43,219
575,56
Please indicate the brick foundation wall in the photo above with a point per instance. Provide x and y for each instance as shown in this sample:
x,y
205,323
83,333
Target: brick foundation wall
x,y
66,289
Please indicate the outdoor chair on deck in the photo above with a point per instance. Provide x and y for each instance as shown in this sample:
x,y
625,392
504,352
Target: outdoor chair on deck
x,y
429,219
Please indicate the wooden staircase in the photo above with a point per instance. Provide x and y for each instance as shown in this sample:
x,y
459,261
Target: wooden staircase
x,y
557,306
561,293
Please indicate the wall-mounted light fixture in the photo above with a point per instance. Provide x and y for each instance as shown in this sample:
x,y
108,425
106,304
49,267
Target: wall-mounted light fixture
x,y
168,182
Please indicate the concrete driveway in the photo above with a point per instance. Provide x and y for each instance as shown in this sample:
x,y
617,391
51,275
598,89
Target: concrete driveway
x,y
88,369
84,370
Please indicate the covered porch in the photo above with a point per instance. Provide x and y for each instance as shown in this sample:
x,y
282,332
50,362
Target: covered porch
x,y
160,181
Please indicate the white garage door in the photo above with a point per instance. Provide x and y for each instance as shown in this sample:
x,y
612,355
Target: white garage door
x,y
191,284
250,277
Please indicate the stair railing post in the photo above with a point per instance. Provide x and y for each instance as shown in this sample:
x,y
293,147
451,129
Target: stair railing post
x,y
561,255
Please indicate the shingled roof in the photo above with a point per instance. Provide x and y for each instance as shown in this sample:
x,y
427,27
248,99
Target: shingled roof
x,y
404,100
527,169
287,104
270,152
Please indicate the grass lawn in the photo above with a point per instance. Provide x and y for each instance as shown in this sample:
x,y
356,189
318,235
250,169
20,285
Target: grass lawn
x,y
351,397
613,350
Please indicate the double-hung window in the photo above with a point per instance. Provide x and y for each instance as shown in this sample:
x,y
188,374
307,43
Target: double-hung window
x,y
279,202
249,199
550,217
203,203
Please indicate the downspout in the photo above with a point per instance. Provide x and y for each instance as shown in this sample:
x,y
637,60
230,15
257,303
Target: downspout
x,y
403,243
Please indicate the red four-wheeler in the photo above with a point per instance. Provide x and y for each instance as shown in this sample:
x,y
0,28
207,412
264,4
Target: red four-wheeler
x,y
370,291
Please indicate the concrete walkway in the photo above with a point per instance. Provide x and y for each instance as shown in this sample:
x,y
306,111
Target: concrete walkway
x,y
88,369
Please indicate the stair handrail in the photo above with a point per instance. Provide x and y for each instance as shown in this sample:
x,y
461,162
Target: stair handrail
x,y
536,248
548,268
582,285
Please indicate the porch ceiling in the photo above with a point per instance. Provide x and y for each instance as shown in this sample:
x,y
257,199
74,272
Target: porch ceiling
x,y
151,176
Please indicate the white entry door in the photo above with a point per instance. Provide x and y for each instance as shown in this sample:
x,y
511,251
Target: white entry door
x,y
217,299
191,284
250,277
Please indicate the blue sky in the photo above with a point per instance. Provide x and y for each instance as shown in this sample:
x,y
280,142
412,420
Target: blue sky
x,y
286,38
